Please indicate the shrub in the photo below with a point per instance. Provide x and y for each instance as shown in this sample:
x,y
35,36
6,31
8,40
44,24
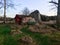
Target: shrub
x,y
31,23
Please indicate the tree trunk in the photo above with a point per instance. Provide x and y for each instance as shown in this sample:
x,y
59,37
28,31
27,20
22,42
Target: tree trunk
x,y
4,11
58,14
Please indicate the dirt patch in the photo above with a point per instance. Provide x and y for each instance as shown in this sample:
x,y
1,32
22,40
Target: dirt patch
x,y
26,40
42,29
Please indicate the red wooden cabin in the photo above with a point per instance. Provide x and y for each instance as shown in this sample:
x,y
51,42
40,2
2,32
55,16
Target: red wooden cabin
x,y
19,18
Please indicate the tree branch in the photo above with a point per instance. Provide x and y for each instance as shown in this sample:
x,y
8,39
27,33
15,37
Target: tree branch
x,y
53,2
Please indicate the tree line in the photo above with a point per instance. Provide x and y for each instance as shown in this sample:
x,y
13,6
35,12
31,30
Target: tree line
x,y
47,18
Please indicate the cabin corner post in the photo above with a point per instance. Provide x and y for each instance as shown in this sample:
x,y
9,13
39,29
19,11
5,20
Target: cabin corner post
x,y
39,17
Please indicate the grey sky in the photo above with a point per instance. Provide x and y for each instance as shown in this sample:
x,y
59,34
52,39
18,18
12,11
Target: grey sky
x,y
42,5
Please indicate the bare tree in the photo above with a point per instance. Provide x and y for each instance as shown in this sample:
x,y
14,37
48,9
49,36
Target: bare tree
x,y
6,4
54,3
4,11
26,11
58,11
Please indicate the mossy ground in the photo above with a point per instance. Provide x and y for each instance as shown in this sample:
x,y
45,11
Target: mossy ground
x,y
41,39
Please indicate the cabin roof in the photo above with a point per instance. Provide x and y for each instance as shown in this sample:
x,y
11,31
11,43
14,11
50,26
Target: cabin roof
x,y
30,15
17,15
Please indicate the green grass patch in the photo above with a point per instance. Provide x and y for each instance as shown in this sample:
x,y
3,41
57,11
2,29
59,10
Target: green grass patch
x,y
9,40
5,29
1,39
5,37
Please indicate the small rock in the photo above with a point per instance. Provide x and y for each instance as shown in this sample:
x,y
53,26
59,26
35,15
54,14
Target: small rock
x,y
15,32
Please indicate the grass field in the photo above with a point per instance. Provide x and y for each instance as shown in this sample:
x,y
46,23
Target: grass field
x,y
48,39
6,37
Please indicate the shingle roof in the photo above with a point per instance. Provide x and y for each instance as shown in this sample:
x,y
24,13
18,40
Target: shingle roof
x,y
22,15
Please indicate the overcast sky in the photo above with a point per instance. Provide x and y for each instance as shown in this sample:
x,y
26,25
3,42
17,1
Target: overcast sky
x,y
42,5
